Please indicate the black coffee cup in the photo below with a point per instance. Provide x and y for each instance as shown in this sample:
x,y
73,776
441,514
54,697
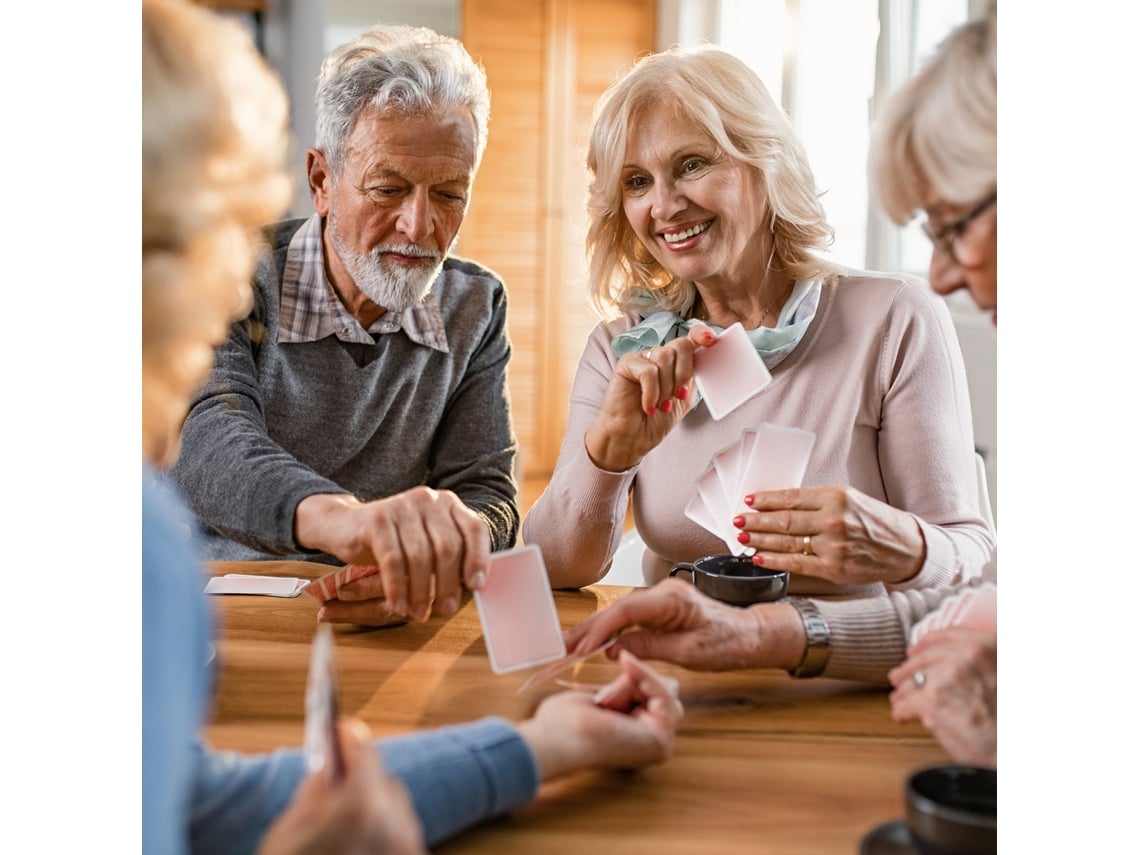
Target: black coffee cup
x,y
952,810
734,579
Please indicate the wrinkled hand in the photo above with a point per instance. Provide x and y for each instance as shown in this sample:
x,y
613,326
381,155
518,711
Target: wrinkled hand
x,y
424,542
679,624
630,722
647,395
957,701
855,539
366,811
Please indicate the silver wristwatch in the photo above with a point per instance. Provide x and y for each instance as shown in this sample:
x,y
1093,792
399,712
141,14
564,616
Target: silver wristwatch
x,y
818,638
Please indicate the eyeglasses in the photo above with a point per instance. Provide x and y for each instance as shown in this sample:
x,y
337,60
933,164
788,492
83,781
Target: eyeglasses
x,y
947,237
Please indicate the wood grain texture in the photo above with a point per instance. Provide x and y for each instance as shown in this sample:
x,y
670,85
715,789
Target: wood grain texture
x,y
763,763
546,61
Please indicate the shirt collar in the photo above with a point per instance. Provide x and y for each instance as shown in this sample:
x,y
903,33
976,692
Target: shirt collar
x,y
311,310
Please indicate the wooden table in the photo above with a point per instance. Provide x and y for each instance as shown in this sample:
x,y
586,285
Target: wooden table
x,y
763,763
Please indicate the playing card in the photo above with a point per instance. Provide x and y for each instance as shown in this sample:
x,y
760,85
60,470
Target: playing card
x,y
778,461
325,588
322,745
698,512
728,464
730,372
975,608
556,668
981,612
266,586
516,609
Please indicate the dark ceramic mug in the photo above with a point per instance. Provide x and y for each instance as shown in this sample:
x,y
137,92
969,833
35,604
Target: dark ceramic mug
x,y
734,579
953,809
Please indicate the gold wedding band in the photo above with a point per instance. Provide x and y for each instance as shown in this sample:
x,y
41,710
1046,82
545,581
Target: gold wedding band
x,y
807,545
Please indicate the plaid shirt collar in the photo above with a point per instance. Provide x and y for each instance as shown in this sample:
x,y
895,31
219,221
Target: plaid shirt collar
x,y
311,310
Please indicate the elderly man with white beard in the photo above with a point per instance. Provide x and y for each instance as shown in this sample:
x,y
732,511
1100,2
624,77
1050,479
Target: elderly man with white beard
x,y
360,415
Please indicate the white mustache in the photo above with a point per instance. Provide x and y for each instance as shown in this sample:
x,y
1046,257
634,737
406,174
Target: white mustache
x,y
410,250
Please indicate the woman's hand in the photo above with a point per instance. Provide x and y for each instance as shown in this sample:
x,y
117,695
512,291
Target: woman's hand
x,y
834,533
677,623
367,810
630,722
955,697
648,394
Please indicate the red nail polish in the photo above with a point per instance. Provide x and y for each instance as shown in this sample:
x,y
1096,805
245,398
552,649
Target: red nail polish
x,y
667,407
744,537
652,411
758,560
683,393
708,337
748,500
738,522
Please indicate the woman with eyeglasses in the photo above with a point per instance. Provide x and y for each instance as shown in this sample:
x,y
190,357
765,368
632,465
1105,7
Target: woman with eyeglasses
x,y
703,213
920,162
936,647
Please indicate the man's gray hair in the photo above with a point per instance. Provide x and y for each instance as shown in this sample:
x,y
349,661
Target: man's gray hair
x,y
392,67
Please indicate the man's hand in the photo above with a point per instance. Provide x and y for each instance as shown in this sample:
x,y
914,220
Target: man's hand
x,y
424,542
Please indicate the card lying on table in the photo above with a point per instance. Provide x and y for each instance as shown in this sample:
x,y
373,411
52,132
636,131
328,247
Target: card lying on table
x,y
265,586
516,609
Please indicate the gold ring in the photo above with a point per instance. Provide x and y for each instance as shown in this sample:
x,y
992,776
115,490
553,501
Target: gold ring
x,y
807,545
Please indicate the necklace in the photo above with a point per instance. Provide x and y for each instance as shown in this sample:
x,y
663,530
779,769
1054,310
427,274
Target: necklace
x,y
701,313
769,307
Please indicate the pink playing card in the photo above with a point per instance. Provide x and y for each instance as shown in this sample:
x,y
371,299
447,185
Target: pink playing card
x,y
711,490
778,461
729,372
698,512
516,609
975,608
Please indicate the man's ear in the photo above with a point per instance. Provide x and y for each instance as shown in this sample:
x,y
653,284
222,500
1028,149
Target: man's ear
x,y
320,180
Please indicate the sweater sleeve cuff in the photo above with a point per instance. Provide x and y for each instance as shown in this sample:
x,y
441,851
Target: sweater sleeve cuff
x,y
942,567
600,490
462,775
867,639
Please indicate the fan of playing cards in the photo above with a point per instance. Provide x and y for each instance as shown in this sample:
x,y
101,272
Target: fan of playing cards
x,y
769,457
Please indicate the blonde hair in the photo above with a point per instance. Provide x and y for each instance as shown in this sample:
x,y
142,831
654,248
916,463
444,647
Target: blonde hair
x,y
214,154
720,93
939,132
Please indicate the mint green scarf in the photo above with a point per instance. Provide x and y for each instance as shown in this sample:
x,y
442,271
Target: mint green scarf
x,y
772,343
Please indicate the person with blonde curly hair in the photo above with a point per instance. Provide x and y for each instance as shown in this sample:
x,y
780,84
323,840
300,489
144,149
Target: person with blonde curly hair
x,y
214,146
704,213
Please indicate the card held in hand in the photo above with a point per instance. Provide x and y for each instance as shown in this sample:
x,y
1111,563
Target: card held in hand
x,y
729,372
516,609
322,745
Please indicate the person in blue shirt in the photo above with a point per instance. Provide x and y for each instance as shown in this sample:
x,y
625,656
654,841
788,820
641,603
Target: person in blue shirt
x,y
213,165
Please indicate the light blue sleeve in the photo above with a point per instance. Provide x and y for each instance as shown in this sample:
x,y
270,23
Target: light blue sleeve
x,y
456,776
